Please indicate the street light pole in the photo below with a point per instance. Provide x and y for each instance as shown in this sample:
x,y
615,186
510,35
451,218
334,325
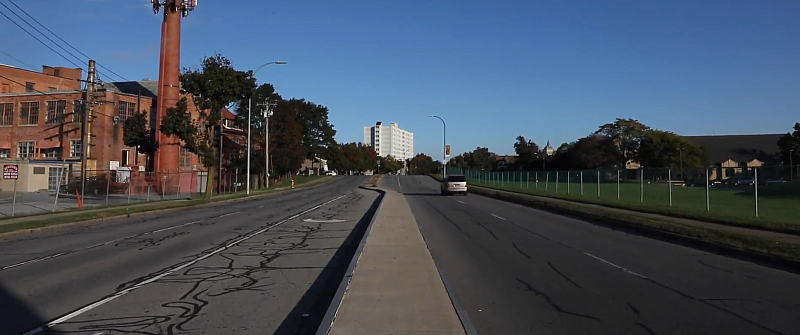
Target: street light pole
x,y
250,122
444,145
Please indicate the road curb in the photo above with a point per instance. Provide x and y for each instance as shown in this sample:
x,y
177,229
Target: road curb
x,y
89,222
330,315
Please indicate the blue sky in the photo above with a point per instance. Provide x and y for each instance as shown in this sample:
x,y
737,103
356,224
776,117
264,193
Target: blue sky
x,y
547,70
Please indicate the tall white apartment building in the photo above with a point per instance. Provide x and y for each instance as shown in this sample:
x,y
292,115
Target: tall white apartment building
x,y
390,140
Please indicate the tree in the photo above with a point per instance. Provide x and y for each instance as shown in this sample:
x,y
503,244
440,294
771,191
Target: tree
x,y
318,132
213,87
390,165
527,153
584,154
480,159
622,139
789,144
137,133
423,164
286,136
666,149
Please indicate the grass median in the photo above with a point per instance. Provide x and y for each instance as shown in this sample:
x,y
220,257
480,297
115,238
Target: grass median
x,y
46,220
752,245
734,206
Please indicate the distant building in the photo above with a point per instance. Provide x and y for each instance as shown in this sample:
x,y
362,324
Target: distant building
x,y
390,140
548,149
732,155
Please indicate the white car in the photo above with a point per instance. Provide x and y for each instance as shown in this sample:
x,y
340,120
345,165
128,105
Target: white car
x,y
329,173
453,184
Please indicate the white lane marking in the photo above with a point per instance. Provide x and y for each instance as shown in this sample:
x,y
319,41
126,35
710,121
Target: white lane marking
x,y
461,202
614,265
498,217
224,215
105,300
36,260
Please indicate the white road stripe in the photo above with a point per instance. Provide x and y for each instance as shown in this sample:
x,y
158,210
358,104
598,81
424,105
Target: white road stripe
x,y
461,202
224,215
614,265
36,260
118,294
499,217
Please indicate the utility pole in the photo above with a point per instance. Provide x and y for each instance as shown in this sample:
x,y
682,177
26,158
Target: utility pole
x,y
270,108
86,130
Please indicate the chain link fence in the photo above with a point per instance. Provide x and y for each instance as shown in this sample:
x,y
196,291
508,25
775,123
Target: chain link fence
x,y
771,192
59,188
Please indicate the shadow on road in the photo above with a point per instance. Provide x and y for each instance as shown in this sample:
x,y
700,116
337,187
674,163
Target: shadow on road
x,y
308,313
16,316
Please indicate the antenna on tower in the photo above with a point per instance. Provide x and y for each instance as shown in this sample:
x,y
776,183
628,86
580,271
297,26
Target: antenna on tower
x,y
184,6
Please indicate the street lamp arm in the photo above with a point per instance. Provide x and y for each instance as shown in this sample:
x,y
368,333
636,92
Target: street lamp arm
x,y
279,62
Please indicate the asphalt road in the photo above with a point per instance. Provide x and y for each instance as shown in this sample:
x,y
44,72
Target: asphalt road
x,y
517,270
261,266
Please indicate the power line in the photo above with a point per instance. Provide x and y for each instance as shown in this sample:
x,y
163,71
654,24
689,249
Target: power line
x,y
39,40
19,61
54,34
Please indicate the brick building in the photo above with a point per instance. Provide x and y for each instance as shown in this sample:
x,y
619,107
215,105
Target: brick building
x,y
40,114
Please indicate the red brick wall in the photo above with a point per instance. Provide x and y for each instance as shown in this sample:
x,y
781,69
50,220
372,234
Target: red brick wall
x,y
68,79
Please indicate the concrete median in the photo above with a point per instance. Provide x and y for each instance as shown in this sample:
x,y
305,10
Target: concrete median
x,y
395,287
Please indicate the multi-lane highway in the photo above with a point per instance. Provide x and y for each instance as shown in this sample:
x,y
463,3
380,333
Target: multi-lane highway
x,y
260,266
517,270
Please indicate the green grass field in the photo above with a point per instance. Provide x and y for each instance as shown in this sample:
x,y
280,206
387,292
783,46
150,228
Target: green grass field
x,y
778,204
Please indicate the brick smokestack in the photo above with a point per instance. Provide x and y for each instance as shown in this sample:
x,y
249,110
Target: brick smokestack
x,y
166,159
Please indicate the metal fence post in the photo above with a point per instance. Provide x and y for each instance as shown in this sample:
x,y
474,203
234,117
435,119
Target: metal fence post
x,y
546,182
669,181
148,192
108,185
536,184
641,185
130,182
556,182
598,183
14,201
520,180
755,187
581,182
58,187
568,177
528,181
617,184
708,197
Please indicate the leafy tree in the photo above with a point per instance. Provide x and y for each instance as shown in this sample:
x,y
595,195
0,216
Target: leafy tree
x,y
286,136
423,164
318,132
214,86
622,139
480,159
390,165
136,132
789,144
666,149
527,153
583,154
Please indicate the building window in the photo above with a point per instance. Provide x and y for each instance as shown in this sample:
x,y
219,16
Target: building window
x,y
125,156
5,153
6,114
75,148
52,153
126,109
29,113
26,149
55,111
30,87
77,110
53,176
185,158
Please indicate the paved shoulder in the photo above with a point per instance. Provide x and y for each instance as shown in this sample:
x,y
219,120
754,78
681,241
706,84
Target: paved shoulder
x,y
396,288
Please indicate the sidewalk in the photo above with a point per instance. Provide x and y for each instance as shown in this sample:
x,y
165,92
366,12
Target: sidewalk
x,y
396,288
